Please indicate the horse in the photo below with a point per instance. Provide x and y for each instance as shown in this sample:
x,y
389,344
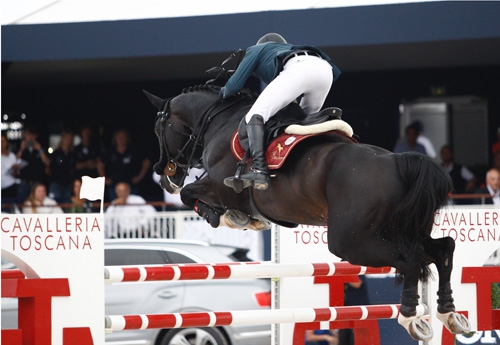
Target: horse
x,y
378,206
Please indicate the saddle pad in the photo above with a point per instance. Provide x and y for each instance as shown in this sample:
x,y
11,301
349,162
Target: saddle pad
x,y
277,151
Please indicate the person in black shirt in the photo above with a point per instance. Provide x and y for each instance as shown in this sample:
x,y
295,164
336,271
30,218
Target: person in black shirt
x,y
87,155
34,163
123,163
464,180
62,169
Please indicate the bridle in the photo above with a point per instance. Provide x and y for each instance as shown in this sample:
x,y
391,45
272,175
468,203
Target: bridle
x,y
168,163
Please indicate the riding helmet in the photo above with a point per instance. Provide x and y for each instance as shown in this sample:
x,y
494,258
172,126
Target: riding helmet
x,y
271,37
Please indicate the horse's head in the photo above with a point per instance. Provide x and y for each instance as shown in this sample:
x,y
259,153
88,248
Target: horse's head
x,y
179,128
182,126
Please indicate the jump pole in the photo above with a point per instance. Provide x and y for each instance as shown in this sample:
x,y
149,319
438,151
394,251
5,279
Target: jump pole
x,y
266,269
253,317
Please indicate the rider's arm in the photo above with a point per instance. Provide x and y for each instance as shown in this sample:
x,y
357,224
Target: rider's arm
x,y
242,73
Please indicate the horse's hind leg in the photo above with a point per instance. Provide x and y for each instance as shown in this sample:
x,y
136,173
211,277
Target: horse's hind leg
x,y
379,252
418,327
441,251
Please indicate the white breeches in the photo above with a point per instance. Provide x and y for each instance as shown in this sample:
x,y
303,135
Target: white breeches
x,y
307,75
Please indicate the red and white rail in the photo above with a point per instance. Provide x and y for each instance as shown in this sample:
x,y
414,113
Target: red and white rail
x,y
236,270
253,317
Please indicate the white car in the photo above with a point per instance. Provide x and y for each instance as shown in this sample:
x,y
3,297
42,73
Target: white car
x,y
160,297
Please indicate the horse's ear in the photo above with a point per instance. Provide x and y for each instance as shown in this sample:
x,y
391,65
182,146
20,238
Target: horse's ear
x,y
155,100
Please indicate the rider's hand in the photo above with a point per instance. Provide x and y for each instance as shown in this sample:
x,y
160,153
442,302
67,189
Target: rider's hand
x,y
222,92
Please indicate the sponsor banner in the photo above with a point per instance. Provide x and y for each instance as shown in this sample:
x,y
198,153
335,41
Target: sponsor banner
x,y
476,231
65,254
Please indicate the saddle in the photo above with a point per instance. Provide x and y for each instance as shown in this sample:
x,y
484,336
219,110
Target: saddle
x,y
289,127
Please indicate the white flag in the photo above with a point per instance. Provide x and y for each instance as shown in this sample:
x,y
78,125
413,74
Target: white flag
x,y
92,188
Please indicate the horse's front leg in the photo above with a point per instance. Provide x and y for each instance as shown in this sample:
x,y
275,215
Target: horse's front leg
x,y
441,251
199,195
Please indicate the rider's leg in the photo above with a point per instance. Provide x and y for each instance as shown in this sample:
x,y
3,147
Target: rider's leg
x,y
258,176
317,87
308,76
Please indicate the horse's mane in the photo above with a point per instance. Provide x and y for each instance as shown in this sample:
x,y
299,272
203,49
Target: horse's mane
x,y
216,89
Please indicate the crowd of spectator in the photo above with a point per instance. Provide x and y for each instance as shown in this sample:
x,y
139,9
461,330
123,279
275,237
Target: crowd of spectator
x,y
465,183
37,180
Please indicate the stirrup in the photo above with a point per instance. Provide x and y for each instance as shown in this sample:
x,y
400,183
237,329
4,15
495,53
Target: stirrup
x,y
237,183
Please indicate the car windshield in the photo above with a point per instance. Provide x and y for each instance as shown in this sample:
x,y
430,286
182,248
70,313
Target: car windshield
x,y
132,256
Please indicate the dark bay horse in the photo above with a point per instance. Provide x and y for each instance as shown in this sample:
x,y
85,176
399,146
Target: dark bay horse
x,y
379,206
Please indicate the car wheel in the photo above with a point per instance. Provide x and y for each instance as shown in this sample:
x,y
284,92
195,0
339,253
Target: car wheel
x,y
192,336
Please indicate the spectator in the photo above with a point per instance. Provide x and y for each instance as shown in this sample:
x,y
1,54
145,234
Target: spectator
x,y
132,214
424,141
322,337
34,163
409,143
464,180
123,164
495,148
10,170
492,188
87,155
39,202
62,169
79,205
355,294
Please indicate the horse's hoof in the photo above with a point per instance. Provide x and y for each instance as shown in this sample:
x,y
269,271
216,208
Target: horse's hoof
x,y
239,219
455,323
260,225
418,328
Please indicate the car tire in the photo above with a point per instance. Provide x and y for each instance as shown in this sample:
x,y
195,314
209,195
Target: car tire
x,y
199,336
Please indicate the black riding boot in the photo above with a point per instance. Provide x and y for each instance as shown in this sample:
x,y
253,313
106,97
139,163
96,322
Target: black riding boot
x,y
258,176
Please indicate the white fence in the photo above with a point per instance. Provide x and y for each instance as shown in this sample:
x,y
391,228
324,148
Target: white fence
x,y
181,225
168,224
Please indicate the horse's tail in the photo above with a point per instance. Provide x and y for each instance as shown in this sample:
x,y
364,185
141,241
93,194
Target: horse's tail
x,y
428,186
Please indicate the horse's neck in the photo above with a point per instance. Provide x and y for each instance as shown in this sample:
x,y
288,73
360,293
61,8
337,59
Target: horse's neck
x,y
226,113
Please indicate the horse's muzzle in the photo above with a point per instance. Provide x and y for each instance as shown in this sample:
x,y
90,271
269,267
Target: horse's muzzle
x,y
168,185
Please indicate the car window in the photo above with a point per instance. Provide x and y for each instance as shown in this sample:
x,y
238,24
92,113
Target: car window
x,y
119,257
178,258
122,257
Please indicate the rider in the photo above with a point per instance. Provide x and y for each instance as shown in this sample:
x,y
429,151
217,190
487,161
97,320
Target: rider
x,y
291,71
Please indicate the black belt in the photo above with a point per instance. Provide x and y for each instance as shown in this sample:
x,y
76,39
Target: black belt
x,y
299,53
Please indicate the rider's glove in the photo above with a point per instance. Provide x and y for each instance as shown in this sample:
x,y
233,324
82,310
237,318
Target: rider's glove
x,y
222,92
